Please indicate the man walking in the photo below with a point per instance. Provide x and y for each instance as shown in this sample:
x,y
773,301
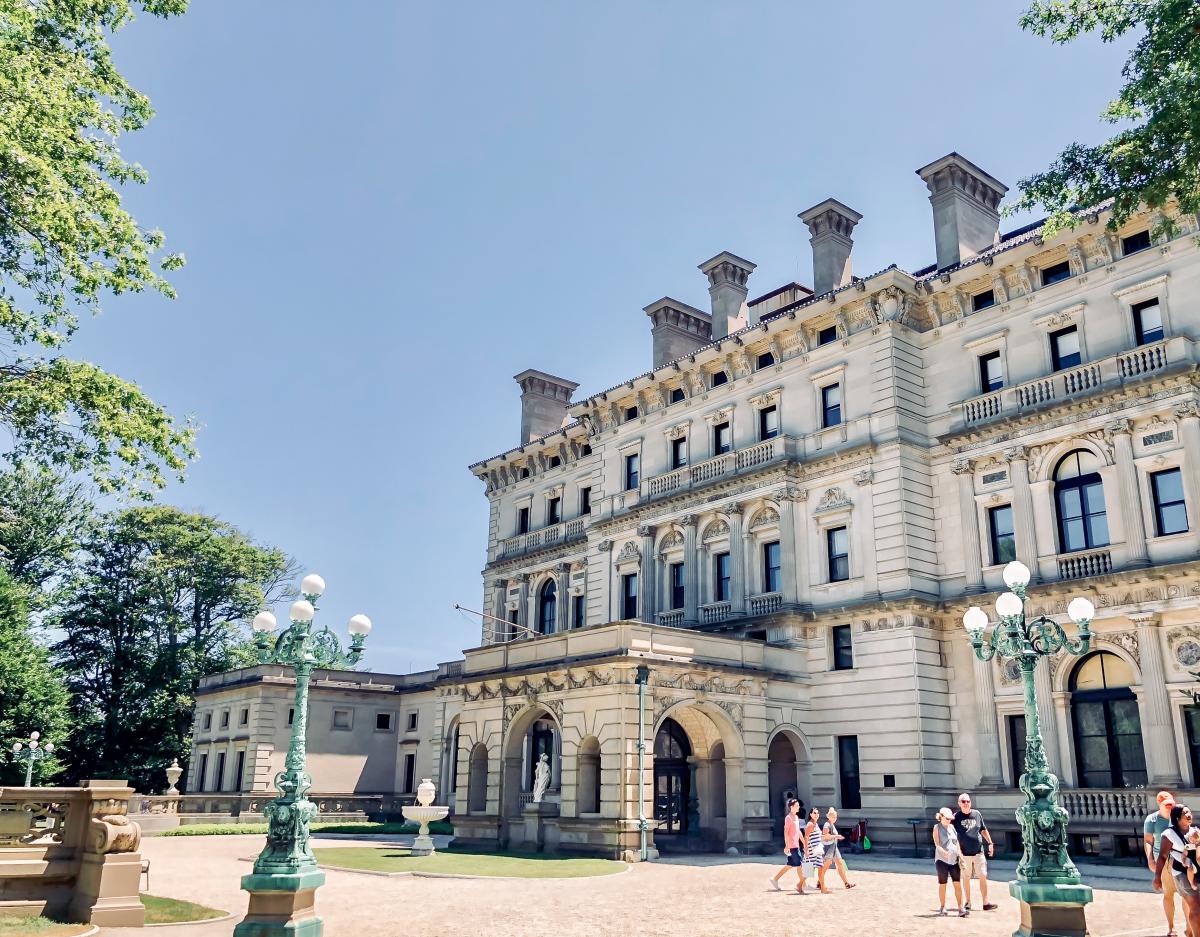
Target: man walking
x,y
1153,829
972,834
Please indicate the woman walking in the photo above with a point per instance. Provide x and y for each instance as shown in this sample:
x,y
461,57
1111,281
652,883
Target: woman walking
x,y
814,857
1178,853
791,847
833,853
946,855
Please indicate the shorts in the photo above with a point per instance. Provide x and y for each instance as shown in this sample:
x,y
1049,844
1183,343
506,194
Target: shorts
x,y
795,858
1169,884
973,866
1182,885
946,872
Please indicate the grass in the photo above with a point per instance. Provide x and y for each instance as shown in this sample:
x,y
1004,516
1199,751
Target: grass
x,y
39,927
465,862
236,829
174,911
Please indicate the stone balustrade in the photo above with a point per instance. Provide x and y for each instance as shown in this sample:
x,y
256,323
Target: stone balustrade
x,y
574,529
1093,808
720,466
766,603
672,619
713,613
1085,563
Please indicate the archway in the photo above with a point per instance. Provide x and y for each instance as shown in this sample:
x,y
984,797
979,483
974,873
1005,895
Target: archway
x,y
783,778
533,733
697,759
672,780
587,784
477,779
1105,723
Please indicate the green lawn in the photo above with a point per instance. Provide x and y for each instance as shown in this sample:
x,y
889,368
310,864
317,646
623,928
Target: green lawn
x,y
235,829
39,927
465,862
174,911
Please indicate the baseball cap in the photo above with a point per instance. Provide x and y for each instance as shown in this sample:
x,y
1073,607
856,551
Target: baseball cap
x,y
1166,799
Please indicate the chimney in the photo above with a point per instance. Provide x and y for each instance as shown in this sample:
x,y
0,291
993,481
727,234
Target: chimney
x,y
677,329
830,223
966,208
727,275
544,402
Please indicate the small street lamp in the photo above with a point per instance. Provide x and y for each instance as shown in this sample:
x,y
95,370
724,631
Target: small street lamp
x,y
31,751
1048,883
285,879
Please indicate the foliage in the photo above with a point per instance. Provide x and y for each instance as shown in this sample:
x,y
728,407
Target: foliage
x,y
33,695
174,911
438,827
65,240
465,862
1155,157
39,927
158,600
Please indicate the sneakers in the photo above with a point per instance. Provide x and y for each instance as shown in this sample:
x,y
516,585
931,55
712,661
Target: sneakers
x,y
941,912
775,884
963,912
967,906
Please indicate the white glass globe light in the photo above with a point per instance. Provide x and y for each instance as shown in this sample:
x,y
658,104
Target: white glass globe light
x,y
312,585
1016,573
264,622
302,610
33,744
35,735
1081,609
975,619
1008,605
359,624
16,746
49,747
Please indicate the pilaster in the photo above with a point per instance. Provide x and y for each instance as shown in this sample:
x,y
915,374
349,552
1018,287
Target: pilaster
x,y
1026,535
1120,432
737,580
1157,731
969,519
691,584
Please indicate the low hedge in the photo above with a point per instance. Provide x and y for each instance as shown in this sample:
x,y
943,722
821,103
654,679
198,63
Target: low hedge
x,y
236,829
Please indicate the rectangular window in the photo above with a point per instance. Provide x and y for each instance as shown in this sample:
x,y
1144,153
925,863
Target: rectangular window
x,y
768,422
241,770
676,394
827,335
1016,747
837,542
843,647
721,581
383,722
219,780
831,405
1064,348
555,461
631,413
991,375
1056,273
1002,535
586,450
412,722
772,571
291,715
1135,242
722,438
208,720
578,611
719,378
1170,510
225,719
765,360
585,500
523,520
1147,321
679,452
983,300
341,719
410,773
677,590
203,775
848,777
631,470
244,717
553,511
629,589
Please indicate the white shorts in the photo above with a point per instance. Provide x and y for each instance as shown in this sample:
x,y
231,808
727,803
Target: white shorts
x,y
973,866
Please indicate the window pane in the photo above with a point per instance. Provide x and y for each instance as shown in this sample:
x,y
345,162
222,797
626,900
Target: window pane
x,y
1135,242
983,300
1097,531
1093,496
1172,520
1089,719
1125,719
1056,273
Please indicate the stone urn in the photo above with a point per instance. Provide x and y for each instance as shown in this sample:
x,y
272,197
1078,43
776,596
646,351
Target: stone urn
x,y
424,813
173,774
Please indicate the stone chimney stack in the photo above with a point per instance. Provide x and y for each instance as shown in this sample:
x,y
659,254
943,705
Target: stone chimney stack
x,y
830,223
727,276
544,402
677,329
966,208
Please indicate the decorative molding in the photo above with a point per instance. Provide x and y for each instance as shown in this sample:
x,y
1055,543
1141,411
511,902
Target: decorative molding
x,y
678,431
716,530
864,478
674,539
833,499
767,517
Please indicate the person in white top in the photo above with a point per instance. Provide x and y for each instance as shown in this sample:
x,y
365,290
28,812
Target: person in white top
x,y
1180,853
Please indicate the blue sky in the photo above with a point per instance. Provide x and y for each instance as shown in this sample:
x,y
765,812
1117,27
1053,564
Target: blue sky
x,y
389,209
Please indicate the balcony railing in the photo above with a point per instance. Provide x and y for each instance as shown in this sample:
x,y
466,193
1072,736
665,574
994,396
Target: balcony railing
x,y
540,539
672,619
1107,372
1095,807
714,613
720,466
1084,563
766,604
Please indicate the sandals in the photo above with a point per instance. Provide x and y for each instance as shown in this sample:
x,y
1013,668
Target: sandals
x,y
851,884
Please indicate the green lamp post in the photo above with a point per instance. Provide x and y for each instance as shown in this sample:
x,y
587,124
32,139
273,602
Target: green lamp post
x,y
283,884
1048,884
31,751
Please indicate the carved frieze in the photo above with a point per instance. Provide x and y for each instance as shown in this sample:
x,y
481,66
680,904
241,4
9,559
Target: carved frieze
x,y
834,499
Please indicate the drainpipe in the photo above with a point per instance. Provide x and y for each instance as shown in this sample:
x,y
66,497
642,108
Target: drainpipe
x,y
643,677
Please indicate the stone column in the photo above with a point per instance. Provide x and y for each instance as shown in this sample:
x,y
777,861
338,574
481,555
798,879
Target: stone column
x,y
737,580
990,772
1157,732
787,546
800,534
498,610
1188,415
969,519
1026,534
746,568
1120,433
523,607
562,595
1045,700
691,573
647,592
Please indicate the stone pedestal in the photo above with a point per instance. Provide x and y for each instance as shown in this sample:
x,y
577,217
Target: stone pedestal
x,y
535,817
106,890
282,905
1051,910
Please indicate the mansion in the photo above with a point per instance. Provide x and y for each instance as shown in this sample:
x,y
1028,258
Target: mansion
x,y
763,546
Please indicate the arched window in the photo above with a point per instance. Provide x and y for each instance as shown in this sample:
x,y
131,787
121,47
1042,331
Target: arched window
x,y
672,779
477,779
1079,497
1106,723
547,607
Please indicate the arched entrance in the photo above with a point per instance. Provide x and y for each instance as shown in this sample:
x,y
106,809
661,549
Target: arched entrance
x,y
672,780
787,777
532,734
1106,724
697,758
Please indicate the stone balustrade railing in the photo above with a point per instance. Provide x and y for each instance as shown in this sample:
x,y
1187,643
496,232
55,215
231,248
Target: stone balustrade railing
x,y
672,619
720,466
1084,563
766,603
713,613
1092,807
573,529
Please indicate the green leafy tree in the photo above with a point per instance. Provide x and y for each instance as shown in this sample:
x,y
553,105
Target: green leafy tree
x,y
33,694
65,241
1154,158
161,598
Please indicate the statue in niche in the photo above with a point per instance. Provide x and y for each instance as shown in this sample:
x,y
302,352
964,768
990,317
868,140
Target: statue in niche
x,y
541,778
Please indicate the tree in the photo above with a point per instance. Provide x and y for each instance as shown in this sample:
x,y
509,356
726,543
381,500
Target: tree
x,y
160,599
65,240
33,695
1154,158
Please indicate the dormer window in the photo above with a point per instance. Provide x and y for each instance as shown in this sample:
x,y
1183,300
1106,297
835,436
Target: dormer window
x,y
827,335
719,378
676,394
983,300
765,360
1135,242
524,472
631,413
555,461
1056,273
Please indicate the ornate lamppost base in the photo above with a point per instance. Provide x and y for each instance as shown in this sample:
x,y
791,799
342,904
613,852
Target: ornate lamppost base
x,y
1051,910
282,905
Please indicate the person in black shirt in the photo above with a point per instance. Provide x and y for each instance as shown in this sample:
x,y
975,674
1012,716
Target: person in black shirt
x,y
972,834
